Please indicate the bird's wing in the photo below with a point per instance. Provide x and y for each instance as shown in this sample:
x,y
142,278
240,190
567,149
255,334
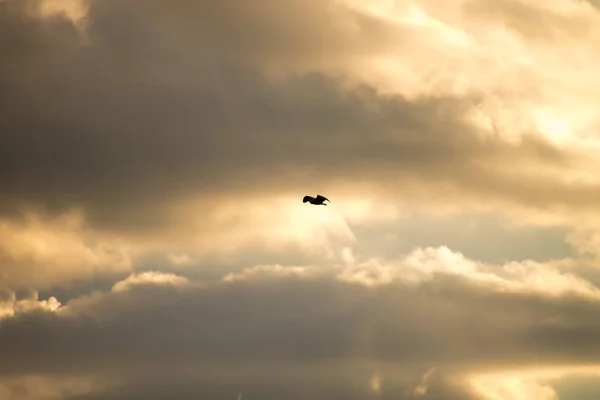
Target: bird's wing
x,y
322,198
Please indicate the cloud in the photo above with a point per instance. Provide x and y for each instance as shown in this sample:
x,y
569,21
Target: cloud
x,y
421,389
179,259
74,10
148,278
129,146
316,326
153,159
51,387
41,252
11,307
267,270
513,387
518,277
528,383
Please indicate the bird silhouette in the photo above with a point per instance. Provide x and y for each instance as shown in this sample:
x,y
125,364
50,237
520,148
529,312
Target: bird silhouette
x,y
317,201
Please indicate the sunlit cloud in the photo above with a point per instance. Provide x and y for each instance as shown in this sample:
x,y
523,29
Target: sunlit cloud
x,y
525,384
10,306
74,10
149,278
518,277
40,251
154,159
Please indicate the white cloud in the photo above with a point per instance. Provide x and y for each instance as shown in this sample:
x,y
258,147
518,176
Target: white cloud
x,y
268,271
150,278
10,306
515,388
491,49
422,265
527,383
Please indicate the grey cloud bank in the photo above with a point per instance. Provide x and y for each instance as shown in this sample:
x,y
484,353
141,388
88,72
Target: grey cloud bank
x,y
284,333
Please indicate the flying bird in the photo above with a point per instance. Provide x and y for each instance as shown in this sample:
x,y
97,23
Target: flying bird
x,y
318,201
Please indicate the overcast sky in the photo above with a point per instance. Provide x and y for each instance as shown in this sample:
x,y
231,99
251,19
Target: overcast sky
x,y
153,159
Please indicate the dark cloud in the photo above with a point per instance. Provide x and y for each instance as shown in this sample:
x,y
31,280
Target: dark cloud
x,y
303,324
134,115
324,388
128,118
193,385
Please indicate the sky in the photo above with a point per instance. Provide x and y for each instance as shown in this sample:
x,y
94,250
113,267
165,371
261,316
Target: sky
x,y
153,159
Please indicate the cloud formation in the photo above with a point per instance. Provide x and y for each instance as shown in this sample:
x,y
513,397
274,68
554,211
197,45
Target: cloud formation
x,y
307,326
152,160
134,126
